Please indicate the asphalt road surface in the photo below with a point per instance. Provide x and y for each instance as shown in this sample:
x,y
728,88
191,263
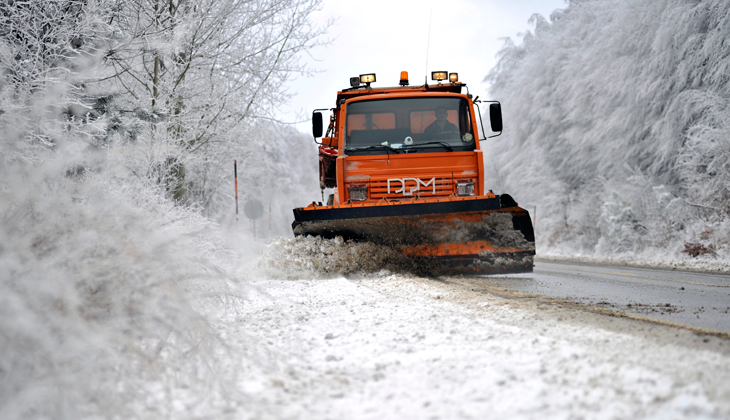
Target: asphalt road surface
x,y
699,300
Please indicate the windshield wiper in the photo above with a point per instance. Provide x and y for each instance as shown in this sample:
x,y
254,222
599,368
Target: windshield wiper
x,y
375,147
445,145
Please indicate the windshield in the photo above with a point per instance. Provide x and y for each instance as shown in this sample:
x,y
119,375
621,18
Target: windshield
x,y
408,125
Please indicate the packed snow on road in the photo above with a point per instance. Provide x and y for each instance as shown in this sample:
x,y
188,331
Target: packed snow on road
x,y
393,345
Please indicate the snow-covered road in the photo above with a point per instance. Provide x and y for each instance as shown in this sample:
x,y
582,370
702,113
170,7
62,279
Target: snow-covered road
x,y
398,346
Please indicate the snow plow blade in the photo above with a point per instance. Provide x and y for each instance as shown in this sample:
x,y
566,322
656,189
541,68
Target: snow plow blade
x,y
446,236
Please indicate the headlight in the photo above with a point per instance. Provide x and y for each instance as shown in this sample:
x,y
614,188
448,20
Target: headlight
x,y
358,192
464,188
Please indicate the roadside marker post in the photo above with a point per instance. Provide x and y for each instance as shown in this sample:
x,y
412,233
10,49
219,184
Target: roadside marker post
x,y
235,177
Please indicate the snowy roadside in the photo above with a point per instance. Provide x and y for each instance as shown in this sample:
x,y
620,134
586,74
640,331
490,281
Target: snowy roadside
x,y
398,346
646,261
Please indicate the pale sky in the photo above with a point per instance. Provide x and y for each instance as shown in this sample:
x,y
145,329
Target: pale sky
x,y
388,36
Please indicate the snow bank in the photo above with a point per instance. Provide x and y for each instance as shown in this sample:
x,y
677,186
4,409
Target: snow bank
x,y
97,294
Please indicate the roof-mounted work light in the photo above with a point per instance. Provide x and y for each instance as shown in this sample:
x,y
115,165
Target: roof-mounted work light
x,y
453,77
439,75
354,81
367,78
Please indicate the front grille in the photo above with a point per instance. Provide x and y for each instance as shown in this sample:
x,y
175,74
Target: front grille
x,y
439,187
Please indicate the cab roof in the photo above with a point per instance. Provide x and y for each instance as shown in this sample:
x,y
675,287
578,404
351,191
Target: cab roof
x,y
368,90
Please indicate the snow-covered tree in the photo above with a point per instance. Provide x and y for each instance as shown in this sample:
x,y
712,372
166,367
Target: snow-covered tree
x,y
47,49
201,75
615,115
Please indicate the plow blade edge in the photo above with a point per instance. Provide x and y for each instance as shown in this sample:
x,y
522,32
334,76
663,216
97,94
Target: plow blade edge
x,y
470,236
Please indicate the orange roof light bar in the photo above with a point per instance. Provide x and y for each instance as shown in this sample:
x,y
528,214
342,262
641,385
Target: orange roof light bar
x,y
404,78
439,75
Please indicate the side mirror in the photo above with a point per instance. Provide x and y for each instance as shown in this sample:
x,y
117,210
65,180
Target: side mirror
x,y
317,124
495,117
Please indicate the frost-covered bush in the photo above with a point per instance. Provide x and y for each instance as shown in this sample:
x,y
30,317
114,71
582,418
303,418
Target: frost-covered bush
x,y
98,285
705,158
615,125
106,286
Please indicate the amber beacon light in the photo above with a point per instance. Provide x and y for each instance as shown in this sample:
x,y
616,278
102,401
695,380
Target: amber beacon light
x,y
453,77
404,78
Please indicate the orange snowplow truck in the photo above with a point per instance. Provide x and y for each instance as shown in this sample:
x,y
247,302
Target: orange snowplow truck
x,y
408,173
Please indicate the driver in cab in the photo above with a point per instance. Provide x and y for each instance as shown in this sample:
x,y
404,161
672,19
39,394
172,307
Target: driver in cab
x,y
440,128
